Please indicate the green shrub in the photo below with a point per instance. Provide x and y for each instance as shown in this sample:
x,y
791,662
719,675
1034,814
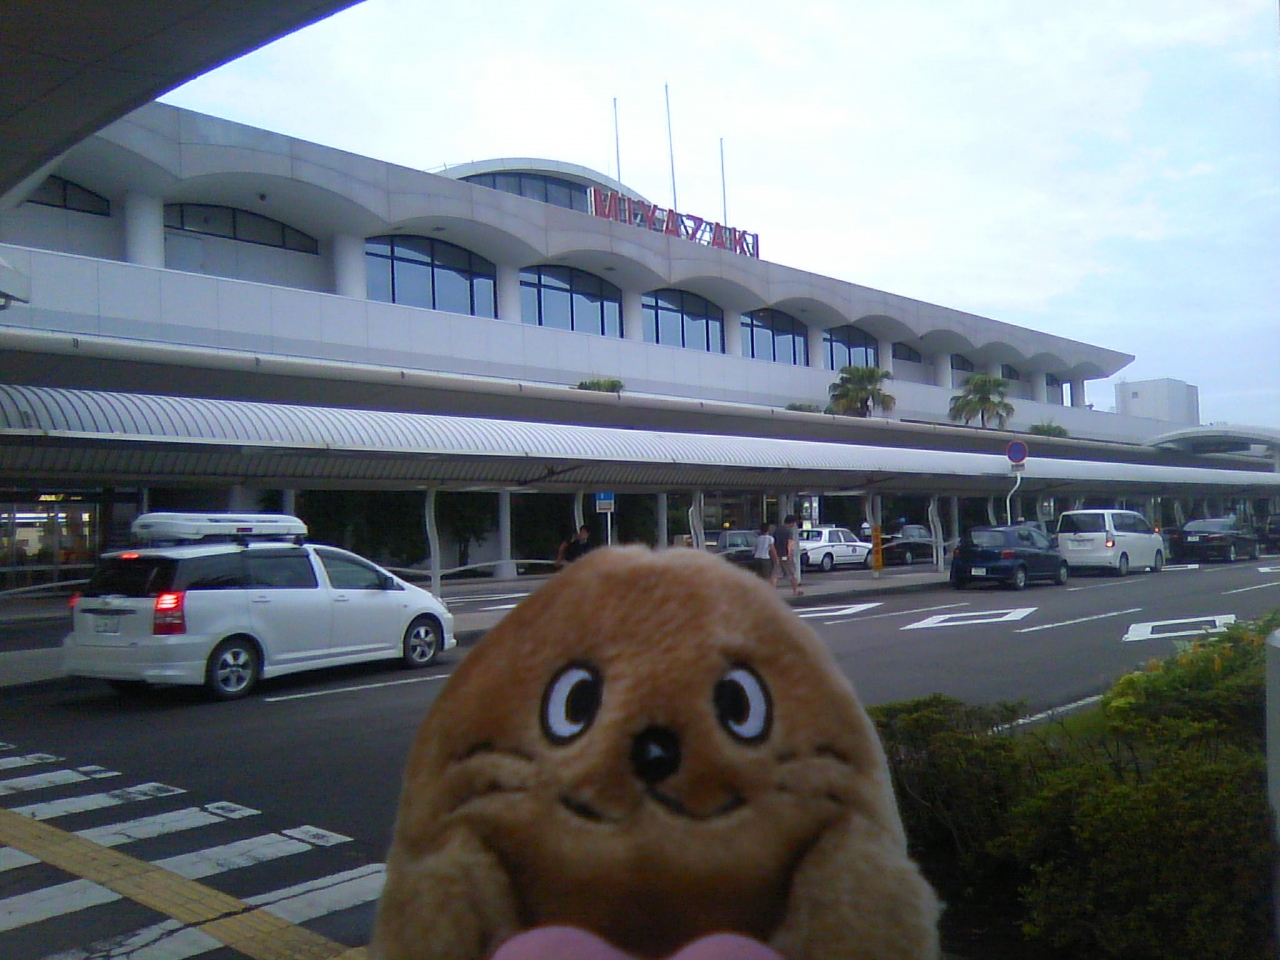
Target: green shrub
x,y
804,407
603,385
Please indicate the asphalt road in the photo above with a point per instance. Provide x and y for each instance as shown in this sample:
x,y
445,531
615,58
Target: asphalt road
x,y
324,751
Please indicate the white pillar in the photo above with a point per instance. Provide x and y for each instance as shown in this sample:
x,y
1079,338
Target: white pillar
x,y
350,279
632,315
242,499
884,353
288,501
817,347
144,230
955,518
578,517
1039,387
433,538
995,369
664,535
942,370
733,333
1077,392
696,514
506,568
509,293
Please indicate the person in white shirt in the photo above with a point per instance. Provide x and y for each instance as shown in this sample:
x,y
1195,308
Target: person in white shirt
x,y
765,556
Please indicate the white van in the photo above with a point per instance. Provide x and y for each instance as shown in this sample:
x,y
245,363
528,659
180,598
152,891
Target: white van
x,y
230,600
1115,540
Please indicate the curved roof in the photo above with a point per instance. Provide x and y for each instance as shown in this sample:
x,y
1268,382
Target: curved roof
x,y
1218,438
96,435
551,168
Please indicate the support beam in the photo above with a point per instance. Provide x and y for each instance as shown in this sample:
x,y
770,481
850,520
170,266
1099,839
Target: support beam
x,y
664,535
506,568
433,537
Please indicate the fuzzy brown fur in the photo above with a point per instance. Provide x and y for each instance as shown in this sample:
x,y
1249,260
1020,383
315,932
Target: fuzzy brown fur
x,y
794,840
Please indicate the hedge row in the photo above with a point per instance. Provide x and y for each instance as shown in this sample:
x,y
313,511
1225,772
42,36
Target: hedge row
x,y
1142,831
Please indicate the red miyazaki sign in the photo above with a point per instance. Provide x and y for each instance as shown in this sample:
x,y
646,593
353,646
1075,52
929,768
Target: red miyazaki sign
x,y
623,209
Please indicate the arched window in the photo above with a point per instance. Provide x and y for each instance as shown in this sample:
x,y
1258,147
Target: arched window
x,y
848,346
570,299
536,186
774,335
961,362
902,351
679,319
215,221
1010,372
57,192
422,272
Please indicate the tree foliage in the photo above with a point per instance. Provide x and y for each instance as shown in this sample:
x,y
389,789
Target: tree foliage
x,y
1047,428
983,399
860,390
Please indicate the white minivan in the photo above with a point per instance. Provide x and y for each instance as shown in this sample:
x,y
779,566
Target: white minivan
x,y
1115,540
226,602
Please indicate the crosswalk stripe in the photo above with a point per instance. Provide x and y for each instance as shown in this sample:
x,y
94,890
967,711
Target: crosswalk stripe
x,y
299,903
49,902
40,781
96,801
31,759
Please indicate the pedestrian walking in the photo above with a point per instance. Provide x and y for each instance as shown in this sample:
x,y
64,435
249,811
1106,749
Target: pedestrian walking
x,y
787,543
764,557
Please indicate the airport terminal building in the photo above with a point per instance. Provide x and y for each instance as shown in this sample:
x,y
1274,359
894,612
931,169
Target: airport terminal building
x,y
178,255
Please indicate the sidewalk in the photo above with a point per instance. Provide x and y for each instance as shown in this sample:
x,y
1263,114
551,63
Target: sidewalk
x,y
19,667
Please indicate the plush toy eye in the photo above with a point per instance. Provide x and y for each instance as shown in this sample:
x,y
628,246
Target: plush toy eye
x,y
742,705
571,702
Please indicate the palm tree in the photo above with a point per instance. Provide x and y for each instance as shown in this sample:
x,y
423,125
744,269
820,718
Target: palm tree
x,y
858,390
984,398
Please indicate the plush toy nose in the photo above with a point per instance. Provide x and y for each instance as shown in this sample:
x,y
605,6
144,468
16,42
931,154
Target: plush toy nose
x,y
655,754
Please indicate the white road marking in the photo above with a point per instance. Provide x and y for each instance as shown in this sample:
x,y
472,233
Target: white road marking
x,y
31,759
1260,586
487,598
1068,623
361,686
316,837
1269,569
55,778
233,856
231,811
897,613
49,902
971,618
501,606
96,801
300,903
95,772
1100,586
175,821
837,610
1057,711
1182,566
1149,631
11,859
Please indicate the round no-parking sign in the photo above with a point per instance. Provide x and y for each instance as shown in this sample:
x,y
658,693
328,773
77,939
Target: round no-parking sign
x,y
1016,452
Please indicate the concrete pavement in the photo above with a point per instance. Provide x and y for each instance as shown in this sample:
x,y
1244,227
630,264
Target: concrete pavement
x,y
477,605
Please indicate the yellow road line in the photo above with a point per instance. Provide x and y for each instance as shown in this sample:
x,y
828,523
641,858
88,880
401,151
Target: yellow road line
x,y
254,933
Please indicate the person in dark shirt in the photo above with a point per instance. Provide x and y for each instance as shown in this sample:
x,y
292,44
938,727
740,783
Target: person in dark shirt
x,y
574,547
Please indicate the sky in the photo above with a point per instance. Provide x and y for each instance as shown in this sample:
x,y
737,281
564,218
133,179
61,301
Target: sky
x,y
1104,170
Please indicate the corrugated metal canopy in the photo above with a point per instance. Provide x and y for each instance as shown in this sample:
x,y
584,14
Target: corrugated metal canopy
x,y
52,434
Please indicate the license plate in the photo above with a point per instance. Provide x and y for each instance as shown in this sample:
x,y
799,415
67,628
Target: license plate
x,y
1077,545
106,624
978,571
1193,539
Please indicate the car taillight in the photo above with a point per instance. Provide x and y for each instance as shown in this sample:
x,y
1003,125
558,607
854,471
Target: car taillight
x,y
1007,554
75,598
1110,542
169,618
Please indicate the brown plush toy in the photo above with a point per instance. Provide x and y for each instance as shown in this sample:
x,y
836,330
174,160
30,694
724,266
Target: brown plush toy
x,y
652,748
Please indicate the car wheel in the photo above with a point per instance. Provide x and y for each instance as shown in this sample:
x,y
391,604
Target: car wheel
x,y
1064,574
233,669
1122,565
1231,553
828,561
866,561
1018,579
421,642
1158,563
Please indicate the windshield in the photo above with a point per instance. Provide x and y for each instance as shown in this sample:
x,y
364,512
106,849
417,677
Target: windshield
x,y
987,538
1208,526
1081,523
810,534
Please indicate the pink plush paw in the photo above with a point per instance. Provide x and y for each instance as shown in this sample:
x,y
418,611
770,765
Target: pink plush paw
x,y
570,943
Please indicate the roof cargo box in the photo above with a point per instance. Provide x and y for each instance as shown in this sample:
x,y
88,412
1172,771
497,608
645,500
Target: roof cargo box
x,y
168,529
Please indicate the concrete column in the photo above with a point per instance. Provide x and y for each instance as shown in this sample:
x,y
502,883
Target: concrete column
x,y
350,278
144,230
733,333
578,517
144,500
1039,387
509,293
664,535
954,519
817,349
884,352
288,501
942,370
506,568
994,368
632,315
696,514
433,538
242,499
1077,392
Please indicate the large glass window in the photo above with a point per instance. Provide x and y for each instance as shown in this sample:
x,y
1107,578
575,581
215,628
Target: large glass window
x,y
536,186
56,192
216,221
1009,372
902,351
774,335
960,362
848,346
424,272
570,299
679,319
